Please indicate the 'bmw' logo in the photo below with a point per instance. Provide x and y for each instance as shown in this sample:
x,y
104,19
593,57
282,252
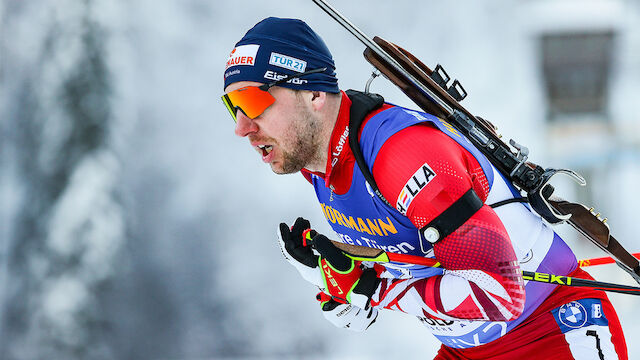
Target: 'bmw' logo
x,y
573,314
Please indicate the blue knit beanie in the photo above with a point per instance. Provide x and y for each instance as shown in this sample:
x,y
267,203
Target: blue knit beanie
x,y
276,47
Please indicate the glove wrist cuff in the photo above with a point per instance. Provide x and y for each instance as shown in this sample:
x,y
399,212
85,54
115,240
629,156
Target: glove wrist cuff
x,y
365,288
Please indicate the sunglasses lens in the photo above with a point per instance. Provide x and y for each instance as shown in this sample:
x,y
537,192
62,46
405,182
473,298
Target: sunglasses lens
x,y
251,100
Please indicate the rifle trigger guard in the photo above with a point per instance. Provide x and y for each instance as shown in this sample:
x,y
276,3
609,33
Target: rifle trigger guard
x,y
538,197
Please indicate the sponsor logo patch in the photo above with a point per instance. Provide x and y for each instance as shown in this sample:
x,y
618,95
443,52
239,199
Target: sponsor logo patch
x,y
287,62
412,188
338,149
371,226
232,72
573,315
272,75
580,314
243,55
596,311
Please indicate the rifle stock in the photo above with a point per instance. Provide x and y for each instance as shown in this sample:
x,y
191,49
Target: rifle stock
x,y
597,231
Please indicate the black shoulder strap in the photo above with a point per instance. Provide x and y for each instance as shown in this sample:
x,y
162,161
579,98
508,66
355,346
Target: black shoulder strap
x,y
361,105
452,218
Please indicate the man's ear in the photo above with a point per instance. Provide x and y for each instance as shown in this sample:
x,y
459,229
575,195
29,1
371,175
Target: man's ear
x,y
318,100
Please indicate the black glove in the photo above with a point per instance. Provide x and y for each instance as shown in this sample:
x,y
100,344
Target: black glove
x,y
298,254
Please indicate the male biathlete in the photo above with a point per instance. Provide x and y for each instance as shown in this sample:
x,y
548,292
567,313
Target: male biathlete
x,y
281,89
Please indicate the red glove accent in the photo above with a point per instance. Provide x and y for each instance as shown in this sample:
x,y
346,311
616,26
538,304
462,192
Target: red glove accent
x,y
340,283
322,297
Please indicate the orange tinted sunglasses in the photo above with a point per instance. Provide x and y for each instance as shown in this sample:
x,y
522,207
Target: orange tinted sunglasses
x,y
254,100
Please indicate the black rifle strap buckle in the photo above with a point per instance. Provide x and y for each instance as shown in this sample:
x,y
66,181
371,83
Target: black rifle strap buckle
x,y
450,219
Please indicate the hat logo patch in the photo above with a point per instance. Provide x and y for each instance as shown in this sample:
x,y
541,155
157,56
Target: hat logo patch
x,y
243,55
287,62
272,75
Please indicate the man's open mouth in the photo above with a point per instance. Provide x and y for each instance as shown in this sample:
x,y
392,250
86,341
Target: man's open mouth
x,y
266,149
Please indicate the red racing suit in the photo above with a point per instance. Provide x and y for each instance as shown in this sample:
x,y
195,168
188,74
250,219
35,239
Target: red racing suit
x,y
421,164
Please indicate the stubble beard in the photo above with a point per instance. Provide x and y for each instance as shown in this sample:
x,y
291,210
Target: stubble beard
x,y
302,142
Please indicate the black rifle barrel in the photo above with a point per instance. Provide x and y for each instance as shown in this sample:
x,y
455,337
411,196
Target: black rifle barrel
x,y
378,50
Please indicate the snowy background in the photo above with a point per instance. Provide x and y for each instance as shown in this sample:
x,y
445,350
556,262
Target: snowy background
x,y
135,225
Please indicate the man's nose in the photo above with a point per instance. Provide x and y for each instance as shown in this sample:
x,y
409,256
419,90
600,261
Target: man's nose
x,y
244,125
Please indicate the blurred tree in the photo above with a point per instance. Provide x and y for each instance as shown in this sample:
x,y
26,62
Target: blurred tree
x,y
70,224
98,264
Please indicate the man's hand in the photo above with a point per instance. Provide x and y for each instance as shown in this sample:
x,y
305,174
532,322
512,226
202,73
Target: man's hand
x,y
346,316
344,279
299,254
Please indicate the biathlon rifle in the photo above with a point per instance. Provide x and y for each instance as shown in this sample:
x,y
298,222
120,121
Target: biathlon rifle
x,y
430,90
